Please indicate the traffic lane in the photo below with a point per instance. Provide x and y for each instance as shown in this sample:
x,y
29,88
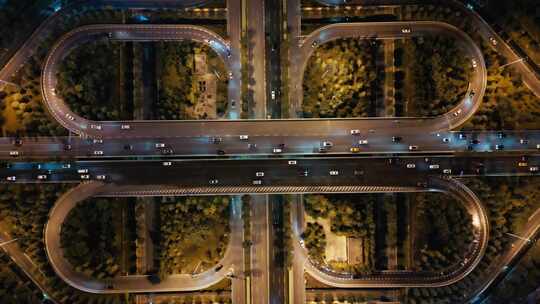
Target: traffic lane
x,y
347,171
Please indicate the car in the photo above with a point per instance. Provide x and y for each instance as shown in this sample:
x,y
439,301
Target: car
x,y
85,176
314,44
474,141
538,146
471,94
333,172
257,182
533,169
522,164
470,148
13,153
355,132
493,41
277,150
413,148
167,163
70,117
17,142
42,177
96,127
456,113
216,140
259,174
101,177
109,34
524,141
218,267
304,172
462,136
82,171
244,137
446,139
252,146
67,147
273,94
447,171
411,166
160,145
327,144
501,135
98,152
228,54
434,166
474,64
499,147
292,162
363,142
358,172
405,30
322,150
220,152
128,147
355,149
231,75
396,139
98,141
167,151
66,166
11,178
125,127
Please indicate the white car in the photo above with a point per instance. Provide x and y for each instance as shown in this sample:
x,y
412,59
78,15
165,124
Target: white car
x,y
277,150
13,153
405,30
474,64
125,127
101,177
522,164
42,177
363,142
292,162
355,132
11,178
98,152
85,176
231,75
98,141
532,169
257,182
82,171
327,144
411,166
259,174
435,166
214,182
413,148
333,172
66,166
273,94
523,141
447,171
538,146
167,163
244,137
493,40
160,145
97,127
70,117
446,139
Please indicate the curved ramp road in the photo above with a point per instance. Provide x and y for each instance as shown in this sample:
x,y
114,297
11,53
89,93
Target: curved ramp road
x,y
401,278
133,283
394,30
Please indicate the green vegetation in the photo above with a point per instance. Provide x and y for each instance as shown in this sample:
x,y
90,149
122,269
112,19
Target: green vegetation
x,y
443,231
339,79
179,89
91,237
434,77
15,287
194,245
25,209
508,202
88,80
315,240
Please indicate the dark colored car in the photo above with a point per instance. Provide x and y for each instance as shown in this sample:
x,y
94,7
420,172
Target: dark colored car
x,y
396,139
475,141
220,152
